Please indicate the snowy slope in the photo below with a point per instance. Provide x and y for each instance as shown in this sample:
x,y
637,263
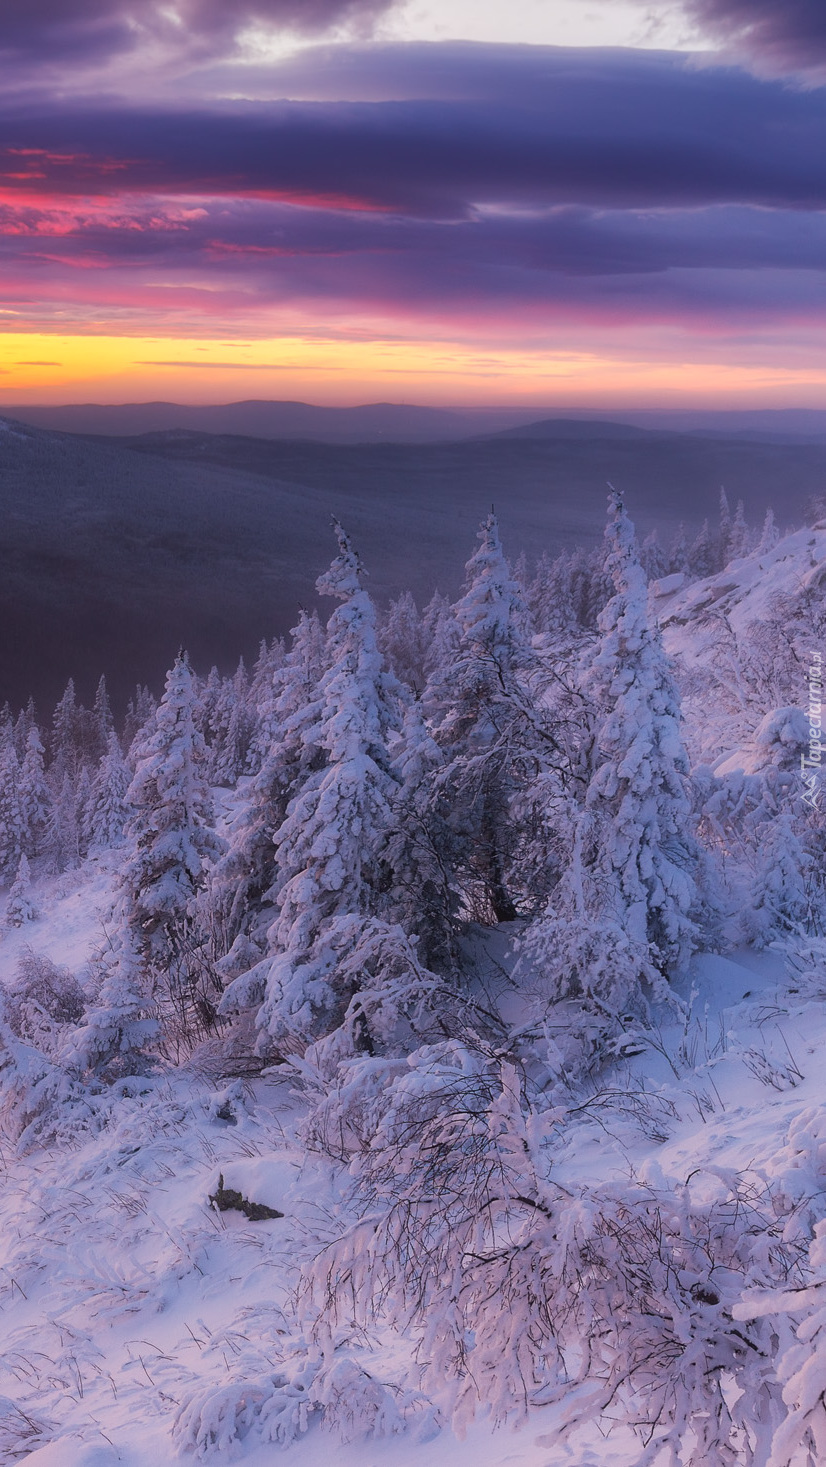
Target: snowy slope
x,y
741,642
125,1293
743,592
146,1317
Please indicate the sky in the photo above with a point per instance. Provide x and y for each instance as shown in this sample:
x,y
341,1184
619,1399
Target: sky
x,y
545,203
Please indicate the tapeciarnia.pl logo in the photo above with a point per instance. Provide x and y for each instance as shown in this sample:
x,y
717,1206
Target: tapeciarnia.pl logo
x,y
810,763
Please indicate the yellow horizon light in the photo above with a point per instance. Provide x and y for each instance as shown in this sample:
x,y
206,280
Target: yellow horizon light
x,y
50,368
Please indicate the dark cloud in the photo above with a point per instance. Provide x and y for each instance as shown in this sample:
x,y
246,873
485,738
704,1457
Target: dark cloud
x,y
623,186
565,241
605,129
632,265
785,33
76,30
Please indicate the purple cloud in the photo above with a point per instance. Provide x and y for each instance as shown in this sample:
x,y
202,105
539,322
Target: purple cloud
x,y
629,186
652,265
90,30
787,35
606,129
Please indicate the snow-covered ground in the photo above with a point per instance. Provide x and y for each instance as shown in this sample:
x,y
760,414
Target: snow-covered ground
x,y
124,1292
644,1172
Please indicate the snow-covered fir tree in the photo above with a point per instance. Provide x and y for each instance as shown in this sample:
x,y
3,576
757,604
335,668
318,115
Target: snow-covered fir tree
x,y
441,632
639,791
723,542
173,843
139,710
329,848
769,535
231,729
12,827
65,739
701,553
678,561
654,561
63,841
35,796
779,899
481,714
404,641
422,850
108,809
621,915
19,907
287,752
740,541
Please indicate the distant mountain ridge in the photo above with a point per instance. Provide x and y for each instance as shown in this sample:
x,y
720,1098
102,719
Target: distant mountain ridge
x,y
388,422
371,423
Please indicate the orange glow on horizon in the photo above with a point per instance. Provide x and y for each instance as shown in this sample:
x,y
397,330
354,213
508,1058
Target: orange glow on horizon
x,y
50,368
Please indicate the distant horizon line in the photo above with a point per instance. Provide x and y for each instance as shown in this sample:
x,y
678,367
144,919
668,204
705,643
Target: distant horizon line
x,y
551,410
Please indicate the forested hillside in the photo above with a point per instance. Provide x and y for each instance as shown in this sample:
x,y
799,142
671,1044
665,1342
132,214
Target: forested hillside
x,y
417,1033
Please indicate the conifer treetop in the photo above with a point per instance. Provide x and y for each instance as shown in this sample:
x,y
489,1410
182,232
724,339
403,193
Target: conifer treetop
x,y
345,576
485,613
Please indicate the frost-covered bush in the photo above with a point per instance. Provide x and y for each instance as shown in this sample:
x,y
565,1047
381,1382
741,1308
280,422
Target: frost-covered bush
x,y
799,1439
39,1101
782,736
307,1386
521,1292
42,1001
806,967
121,1022
361,989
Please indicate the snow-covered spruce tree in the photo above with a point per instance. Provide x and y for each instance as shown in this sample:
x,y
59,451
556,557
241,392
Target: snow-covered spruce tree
x,y
678,562
329,860
639,791
723,539
701,553
422,850
140,710
620,919
35,799
404,642
173,844
769,534
270,657
19,907
11,815
799,1437
482,719
741,539
653,558
548,594
232,729
441,632
25,721
65,739
780,899
240,899
121,1024
108,809
94,726
62,842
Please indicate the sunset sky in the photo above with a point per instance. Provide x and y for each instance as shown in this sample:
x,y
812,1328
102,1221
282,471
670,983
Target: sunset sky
x,y
550,203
